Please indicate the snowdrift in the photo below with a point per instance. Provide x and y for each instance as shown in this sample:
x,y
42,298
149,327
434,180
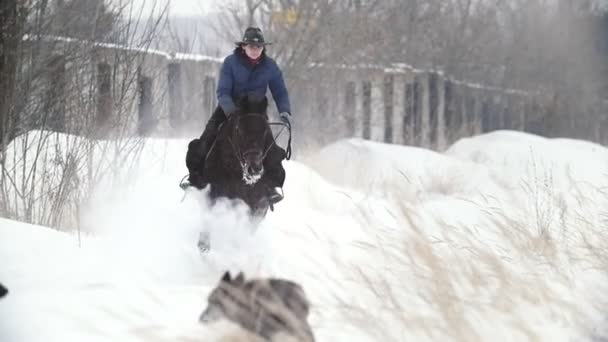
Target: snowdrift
x,y
501,237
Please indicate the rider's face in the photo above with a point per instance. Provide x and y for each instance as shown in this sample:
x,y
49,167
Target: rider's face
x,y
253,51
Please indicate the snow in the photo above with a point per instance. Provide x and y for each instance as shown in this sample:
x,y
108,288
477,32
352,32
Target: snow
x,y
501,237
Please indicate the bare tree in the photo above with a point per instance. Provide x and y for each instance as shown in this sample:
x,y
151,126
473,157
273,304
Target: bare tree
x,y
84,19
73,122
12,20
538,45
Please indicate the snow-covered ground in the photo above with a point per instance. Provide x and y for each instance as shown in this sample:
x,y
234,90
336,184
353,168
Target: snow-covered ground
x,y
502,237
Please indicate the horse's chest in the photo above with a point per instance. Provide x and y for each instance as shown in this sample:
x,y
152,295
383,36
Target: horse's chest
x,y
234,189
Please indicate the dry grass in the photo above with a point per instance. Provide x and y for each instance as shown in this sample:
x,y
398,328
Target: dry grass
x,y
514,274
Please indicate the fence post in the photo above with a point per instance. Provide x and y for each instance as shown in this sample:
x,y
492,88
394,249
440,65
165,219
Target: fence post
x,y
174,78
487,117
104,97
55,102
509,112
350,108
209,97
367,109
470,107
534,118
449,118
387,95
408,112
146,120
424,106
322,110
418,109
433,80
498,112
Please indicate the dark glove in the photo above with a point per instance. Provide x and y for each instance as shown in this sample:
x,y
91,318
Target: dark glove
x,y
196,179
284,116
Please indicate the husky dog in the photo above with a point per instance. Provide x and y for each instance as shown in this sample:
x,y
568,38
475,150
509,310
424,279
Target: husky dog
x,y
3,291
266,307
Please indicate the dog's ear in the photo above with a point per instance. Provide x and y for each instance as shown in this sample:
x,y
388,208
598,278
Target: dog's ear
x,y
240,279
226,278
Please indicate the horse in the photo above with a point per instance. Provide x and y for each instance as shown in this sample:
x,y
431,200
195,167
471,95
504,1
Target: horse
x,y
244,162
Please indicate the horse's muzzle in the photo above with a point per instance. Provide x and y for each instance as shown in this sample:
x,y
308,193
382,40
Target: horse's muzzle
x,y
253,166
255,169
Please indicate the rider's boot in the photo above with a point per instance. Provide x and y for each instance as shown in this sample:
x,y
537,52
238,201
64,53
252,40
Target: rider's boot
x,y
195,161
274,197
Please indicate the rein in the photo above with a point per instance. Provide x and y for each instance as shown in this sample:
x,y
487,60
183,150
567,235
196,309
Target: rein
x,y
237,150
288,149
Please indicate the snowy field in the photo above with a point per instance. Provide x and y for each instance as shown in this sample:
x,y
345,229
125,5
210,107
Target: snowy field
x,y
500,238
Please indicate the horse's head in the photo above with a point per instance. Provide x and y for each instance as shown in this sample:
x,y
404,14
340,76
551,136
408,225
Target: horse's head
x,y
251,136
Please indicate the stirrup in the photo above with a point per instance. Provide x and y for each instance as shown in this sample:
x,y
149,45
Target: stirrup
x,y
276,197
184,183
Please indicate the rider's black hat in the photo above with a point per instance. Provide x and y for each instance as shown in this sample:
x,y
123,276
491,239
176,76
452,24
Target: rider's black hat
x,y
253,36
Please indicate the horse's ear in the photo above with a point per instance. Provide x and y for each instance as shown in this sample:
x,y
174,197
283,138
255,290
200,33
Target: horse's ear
x,y
243,102
226,278
258,104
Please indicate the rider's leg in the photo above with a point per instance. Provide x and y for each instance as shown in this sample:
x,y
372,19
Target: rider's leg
x,y
275,173
193,157
211,129
199,148
273,193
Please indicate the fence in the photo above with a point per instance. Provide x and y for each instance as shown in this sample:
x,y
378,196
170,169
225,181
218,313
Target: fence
x,y
174,94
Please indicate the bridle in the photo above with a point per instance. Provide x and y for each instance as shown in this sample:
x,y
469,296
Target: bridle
x,y
236,149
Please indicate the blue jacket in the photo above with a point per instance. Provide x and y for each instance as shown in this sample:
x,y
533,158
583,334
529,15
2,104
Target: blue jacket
x,y
239,77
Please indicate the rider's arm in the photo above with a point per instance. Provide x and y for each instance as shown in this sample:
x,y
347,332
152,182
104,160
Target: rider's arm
x,y
279,91
224,88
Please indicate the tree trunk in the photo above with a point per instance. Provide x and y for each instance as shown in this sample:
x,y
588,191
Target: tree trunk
x,y
10,41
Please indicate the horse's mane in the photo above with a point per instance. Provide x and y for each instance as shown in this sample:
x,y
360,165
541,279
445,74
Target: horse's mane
x,y
252,104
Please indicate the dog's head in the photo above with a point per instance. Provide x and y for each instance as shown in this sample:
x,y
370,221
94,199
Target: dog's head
x,y
263,306
224,298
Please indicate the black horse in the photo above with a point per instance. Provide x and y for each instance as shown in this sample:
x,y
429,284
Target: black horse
x,y
244,162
